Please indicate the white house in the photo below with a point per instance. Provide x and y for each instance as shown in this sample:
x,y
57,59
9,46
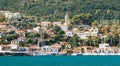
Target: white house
x,y
34,49
104,45
56,23
82,35
46,49
93,31
45,25
85,34
20,32
17,15
64,27
69,33
37,29
8,48
3,25
53,49
21,39
105,48
56,48
8,15
16,42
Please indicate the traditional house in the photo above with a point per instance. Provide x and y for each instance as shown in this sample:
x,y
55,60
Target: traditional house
x,y
82,35
86,49
56,48
16,15
93,31
8,48
53,49
56,23
34,49
67,45
16,42
64,51
104,47
21,39
85,34
45,25
75,30
46,49
64,27
77,50
3,25
36,29
69,33
8,15
21,33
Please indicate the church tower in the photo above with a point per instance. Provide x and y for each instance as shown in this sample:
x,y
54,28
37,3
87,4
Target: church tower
x,y
66,19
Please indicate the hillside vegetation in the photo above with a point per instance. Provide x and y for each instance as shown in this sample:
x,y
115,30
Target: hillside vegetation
x,y
54,10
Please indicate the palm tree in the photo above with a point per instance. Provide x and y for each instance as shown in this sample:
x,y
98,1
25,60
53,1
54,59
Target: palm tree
x,y
90,39
96,41
84,42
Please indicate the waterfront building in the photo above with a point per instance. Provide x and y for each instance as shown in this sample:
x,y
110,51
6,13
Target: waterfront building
x,y
34,49
104,48
86,49
56,48
8,48
104,45
53,49
46,49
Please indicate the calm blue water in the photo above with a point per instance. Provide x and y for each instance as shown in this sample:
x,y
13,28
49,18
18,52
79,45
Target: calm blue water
x,y
61,61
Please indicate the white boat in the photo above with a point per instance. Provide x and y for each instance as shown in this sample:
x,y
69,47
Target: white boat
x,y
101,54
40,54
76,54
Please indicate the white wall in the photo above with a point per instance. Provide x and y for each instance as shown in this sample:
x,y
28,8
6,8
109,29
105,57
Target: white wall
x,y
0,48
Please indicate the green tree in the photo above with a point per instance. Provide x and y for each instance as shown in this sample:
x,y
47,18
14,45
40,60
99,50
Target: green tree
x,y
56,29
82,19
74,41
2,18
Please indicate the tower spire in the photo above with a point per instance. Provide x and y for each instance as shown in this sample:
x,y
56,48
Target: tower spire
x,y
67,19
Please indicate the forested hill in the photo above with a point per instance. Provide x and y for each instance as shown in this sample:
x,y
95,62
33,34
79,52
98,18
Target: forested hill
x,y
55,9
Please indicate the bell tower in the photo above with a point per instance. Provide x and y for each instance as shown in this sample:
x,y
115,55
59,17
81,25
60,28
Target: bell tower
x,y
66,19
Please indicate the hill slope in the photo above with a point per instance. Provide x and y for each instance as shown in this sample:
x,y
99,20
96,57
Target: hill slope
x,y
55,9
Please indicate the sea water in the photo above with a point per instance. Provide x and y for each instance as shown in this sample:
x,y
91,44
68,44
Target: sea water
x,y
60,61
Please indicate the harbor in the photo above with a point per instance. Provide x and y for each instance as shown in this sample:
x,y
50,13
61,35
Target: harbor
x,y
56,50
